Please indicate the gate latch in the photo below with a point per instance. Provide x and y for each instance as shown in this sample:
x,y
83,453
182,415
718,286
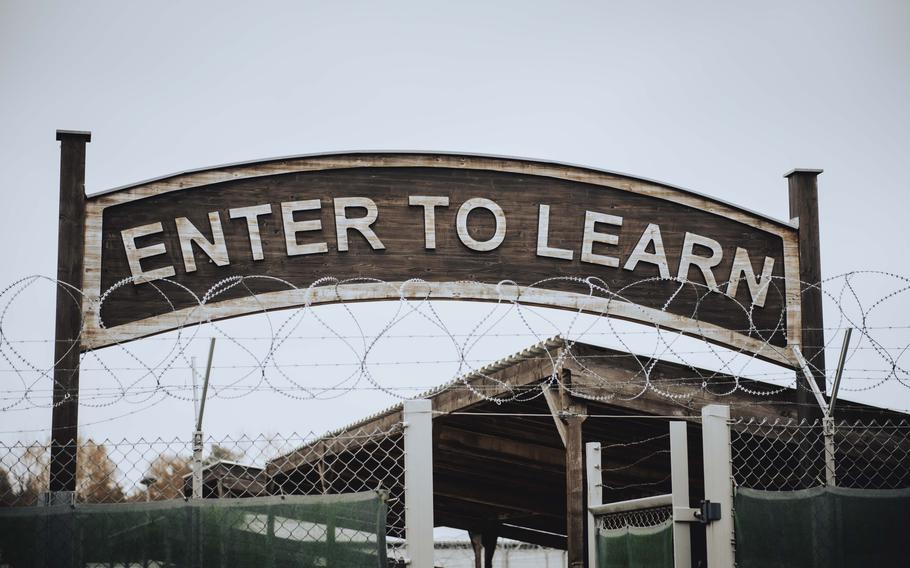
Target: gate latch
x,y
708,512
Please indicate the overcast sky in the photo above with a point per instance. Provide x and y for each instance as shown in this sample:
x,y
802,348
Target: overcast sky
x,y
719,97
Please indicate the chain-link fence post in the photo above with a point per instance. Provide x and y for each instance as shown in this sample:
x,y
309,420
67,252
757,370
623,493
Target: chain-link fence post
x,y
197,464
828,431
718,483
418,481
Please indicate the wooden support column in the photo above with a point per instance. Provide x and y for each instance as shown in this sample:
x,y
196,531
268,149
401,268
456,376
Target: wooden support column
x,y
569,414
68,327
803,186
490,537
576,506
574,414
483,541
477,546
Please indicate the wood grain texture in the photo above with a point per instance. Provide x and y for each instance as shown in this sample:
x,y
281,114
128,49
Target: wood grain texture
x,y
68,321
803,194
519,187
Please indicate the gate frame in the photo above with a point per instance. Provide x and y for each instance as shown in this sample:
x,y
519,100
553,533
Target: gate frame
x,y
678,498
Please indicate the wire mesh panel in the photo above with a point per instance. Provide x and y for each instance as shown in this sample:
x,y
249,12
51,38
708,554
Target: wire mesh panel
x,y
875,455
787,455
135,472
321,530
641,518
826,496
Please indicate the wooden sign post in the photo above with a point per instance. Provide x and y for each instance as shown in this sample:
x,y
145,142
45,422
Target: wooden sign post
x,y
803,186
68,323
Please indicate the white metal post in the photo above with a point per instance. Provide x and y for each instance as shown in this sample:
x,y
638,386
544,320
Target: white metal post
x,y
718,483
595,495
418,482
828,433
197,464
679,478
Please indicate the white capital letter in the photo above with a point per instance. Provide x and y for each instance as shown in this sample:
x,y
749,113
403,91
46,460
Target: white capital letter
x,y
543,234
650,235
252,214
292,227
742,269
189,234
591,237
461,223
429,205
343,224
134,255
705,264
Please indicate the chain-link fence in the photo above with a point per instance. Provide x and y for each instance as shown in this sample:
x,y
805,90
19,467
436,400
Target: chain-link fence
x,y
826,493
641,518
785,455
144,472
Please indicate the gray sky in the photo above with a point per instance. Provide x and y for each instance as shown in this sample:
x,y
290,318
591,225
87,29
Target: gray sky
x,y
716,97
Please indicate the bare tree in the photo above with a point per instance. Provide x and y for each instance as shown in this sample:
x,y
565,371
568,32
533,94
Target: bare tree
x,y
7,494
31,476
96,480
96,475
168,471
220,453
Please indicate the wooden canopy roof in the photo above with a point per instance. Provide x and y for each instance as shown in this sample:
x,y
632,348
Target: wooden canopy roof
x,y
503,462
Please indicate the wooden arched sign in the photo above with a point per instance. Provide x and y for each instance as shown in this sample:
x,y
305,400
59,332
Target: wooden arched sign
x,y
461,224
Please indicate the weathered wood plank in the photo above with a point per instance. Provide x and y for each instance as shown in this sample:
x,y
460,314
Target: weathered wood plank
x,y
390,181
803,186
68,323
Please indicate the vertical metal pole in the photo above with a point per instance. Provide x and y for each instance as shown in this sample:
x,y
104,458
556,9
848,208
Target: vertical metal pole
x,y
839,374
197,464
68,323
679,478
197,434
803,189
829,427
595,496
828,432
195,394
205,385
718,483
418,481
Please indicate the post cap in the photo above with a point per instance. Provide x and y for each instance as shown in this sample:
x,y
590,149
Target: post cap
x,y
71,134
809,171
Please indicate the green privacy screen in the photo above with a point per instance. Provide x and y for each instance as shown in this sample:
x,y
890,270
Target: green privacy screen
x,y
823,527
326,530
634,547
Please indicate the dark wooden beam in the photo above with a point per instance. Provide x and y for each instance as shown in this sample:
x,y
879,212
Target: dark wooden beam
x,y
575,493
480,514
496,448
803,186
527,500
68,323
